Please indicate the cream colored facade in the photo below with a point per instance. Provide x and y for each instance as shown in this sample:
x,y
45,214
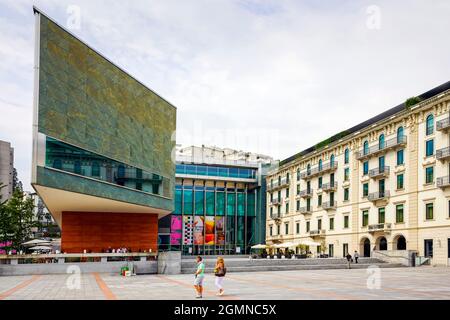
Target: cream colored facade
x,y
288,215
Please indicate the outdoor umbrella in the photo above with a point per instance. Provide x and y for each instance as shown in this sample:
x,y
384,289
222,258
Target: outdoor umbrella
x,y
43,248
259,246
36,242
309,243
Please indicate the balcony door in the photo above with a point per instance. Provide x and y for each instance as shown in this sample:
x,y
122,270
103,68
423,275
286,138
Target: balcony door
x,y
428,248
381,163
332,180
381,186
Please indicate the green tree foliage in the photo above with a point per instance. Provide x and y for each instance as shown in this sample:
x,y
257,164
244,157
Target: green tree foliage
x,y
16,219
412,101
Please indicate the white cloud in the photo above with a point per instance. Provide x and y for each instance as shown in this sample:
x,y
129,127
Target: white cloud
x,y
242,71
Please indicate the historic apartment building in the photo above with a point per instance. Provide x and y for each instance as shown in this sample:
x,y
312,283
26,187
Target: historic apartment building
x,y
383,185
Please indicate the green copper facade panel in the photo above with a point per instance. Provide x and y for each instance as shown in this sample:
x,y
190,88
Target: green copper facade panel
x,y
87,101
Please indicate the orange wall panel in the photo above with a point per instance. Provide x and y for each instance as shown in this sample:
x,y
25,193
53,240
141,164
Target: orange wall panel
x,y
96,231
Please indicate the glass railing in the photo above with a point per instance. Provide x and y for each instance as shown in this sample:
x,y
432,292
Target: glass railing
x,y
216,171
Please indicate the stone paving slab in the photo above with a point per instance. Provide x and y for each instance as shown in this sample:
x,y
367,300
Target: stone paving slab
x,y
394,283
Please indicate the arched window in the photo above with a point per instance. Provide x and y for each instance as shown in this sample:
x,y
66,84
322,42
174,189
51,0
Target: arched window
x,y
366,147
320,165
430,124
381,143
332,161
400,134
346,156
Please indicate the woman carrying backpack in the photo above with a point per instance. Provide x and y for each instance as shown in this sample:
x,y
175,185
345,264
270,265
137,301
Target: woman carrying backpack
x,y
219,272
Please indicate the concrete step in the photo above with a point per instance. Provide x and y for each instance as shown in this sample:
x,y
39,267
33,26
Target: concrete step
x,y
210,263
294,267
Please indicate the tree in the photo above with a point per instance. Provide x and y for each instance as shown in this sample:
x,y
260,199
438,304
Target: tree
x,y
16,219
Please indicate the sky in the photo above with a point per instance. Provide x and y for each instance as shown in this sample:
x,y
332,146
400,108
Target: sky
x,y
272,77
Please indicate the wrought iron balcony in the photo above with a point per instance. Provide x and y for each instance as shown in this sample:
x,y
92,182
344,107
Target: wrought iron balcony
x,y
306,193
379,195
317,233
377,149
330,186
443,124
275,185
305,210
329,205
317,170
443,153
380,227
275,216
379,172
443,182
276,201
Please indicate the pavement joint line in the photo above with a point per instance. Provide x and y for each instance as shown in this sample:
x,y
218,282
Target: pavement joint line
x,y
310,291
20,286
109,295
225,297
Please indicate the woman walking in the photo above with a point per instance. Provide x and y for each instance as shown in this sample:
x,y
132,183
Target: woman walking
x,y
219,272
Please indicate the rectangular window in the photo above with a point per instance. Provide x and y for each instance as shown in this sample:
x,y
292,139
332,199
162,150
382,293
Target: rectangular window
x,y
278,229
320,183
220,204
400,159
308,224
366,168
345,249
331,250
346,194
399,213
429,147
319,200
297,227
429,211
287,208
298,189
331,223
428,248
381,215
346,222
231,204
199,203
286,228
188,202
429,175
308,204
346,174
365,218
365,189
298,205
400,181
319,224
287,192
271,230
209,203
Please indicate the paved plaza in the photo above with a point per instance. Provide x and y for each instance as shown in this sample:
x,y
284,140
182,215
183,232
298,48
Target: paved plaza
x,y
390,283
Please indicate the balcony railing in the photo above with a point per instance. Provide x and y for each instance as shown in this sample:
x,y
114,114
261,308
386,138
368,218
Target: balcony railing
x,y
443,124
380,227
305,210
443,182
317,233
328,205
376,149
316,170
443,153
275,185
379,172
306,193
379,195
330,186
276,201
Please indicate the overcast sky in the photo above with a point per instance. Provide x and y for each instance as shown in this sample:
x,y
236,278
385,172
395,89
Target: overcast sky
x,y
273,77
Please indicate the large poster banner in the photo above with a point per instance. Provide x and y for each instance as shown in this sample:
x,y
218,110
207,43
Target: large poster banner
x,y
209,231
176,226
188,229
198,230
220,231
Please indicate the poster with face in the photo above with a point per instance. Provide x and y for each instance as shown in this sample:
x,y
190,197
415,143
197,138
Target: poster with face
x,y
209,231
220,231
188,229
198,230
176,225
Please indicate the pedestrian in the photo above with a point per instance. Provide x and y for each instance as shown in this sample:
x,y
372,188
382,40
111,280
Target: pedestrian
x,y
349,259
219,272
199,277
356,256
